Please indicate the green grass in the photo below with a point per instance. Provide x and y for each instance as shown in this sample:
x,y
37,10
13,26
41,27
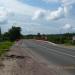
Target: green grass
x,y
4,46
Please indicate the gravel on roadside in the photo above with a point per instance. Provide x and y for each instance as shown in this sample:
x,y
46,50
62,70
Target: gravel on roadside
x,y
16,62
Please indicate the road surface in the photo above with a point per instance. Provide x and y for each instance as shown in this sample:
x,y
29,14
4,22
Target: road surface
x,y
51,54
37,57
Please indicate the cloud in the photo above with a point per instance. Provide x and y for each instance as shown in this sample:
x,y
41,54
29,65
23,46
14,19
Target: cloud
x,y
67,2
57,14
67,26
10,7
18,7
27,16
39,14
49,15
68,5
3,15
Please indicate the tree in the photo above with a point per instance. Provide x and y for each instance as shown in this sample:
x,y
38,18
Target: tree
x,y
0,31
38,36
5,36
0,35
14,33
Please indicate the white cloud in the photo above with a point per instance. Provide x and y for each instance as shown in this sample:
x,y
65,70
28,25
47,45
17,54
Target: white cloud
x,y
67,26
17,7
67,2
67,5
3,15
57,14
39,14
27,11
66,9
49,15
8,7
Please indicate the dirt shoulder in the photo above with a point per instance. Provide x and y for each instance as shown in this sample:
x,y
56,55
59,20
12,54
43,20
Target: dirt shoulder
x,y
16,62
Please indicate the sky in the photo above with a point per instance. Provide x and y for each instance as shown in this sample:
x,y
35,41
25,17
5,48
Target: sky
x,y
38,16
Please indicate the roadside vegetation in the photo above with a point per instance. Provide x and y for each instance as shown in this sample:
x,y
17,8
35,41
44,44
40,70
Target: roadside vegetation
x,y
4,46
66,38
8,38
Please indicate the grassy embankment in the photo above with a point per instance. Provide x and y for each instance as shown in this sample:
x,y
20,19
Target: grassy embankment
x,y
4,46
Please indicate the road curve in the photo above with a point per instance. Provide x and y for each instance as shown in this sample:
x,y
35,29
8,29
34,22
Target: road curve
x,y
52,53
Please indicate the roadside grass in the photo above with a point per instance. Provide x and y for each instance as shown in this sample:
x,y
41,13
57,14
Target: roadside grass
x,y
4,46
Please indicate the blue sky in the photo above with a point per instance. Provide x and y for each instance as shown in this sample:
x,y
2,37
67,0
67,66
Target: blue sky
x,y
42,4
33,16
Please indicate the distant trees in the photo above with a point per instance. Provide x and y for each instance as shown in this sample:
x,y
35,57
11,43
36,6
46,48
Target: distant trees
x,y
37,36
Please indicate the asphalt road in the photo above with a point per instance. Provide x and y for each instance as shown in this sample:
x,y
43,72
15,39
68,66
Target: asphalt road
x,y
51,53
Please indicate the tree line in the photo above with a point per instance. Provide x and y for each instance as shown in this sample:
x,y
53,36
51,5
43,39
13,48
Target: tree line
x,y
66,38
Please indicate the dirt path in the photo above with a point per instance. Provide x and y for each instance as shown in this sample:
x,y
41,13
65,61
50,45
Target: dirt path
x,y
18,62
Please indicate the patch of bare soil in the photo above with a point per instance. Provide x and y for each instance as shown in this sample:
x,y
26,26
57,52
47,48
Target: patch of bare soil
x,y
19,65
